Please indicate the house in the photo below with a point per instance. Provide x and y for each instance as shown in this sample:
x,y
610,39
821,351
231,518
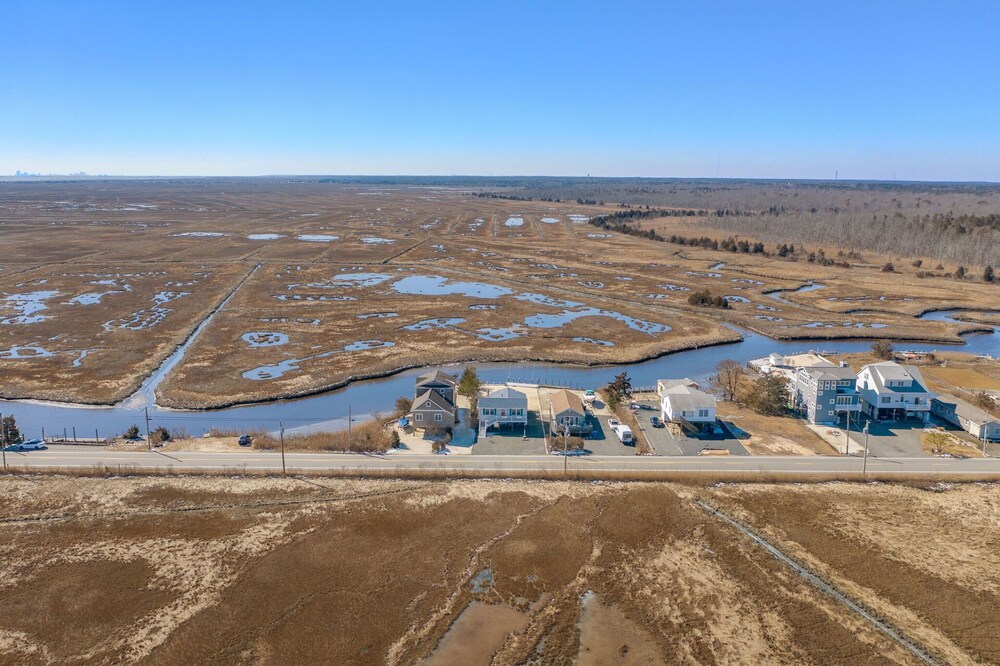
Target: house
x,y
894,392
568,414
977,422
824,394
434,405
788,366
504,406
684,403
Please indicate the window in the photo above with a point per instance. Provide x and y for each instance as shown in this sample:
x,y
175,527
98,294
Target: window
x,y
886,400
439,417
832,401
418,417
703,412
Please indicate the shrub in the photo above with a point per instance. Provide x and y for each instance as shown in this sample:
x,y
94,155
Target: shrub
x,y
132,432
160,435
9,432
769,395
989,275
888,268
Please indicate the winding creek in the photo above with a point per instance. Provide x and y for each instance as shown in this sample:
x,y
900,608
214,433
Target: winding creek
x,y
328,411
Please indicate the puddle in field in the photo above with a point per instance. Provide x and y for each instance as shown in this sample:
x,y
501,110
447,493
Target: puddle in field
x,y
25,351
607,636
378,315
700,274
285,320
768,318
482,581
309,298
476,635
592,341
346,281
846,324
279,369
91,298
199,234
264,339
737,299
674,287
579,219
593,284
317,238
428,324
147,317
514,222
598,235
78,361
747,281
662,297
550,220
374,240
777,293
861,299
265,236
26,306
484,306
435,285
768,308
717,267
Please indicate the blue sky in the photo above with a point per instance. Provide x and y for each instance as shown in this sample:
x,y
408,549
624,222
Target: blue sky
x,y
744,89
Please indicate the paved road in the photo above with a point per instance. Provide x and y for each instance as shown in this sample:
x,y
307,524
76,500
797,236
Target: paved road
x,y
86,457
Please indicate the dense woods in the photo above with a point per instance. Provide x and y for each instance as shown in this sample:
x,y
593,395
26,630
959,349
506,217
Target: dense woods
x,y
954,222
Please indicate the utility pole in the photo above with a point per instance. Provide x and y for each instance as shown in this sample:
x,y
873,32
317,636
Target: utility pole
x,y
3,442
350,436
281,434
149,441
565,451
864,466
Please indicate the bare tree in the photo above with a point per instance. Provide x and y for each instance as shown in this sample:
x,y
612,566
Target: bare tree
x,y
726,379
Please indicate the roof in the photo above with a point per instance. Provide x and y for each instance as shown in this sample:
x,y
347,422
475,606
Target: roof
x,y
687,398
432,400
667,384
826,374
564,401
967,410
506,393
437,376
892,371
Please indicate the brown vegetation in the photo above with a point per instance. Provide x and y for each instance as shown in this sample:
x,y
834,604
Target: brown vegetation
x,y
191,570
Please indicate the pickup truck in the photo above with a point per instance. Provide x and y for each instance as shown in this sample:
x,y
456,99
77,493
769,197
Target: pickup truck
x,y
623,432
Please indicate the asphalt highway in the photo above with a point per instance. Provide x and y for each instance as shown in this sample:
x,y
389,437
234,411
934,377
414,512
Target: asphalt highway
x,y
179,461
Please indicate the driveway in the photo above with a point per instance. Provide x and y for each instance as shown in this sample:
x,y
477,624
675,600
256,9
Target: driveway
x,y
514,440
667,444
891,439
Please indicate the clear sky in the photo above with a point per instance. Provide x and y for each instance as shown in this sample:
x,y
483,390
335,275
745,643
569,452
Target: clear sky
x,y
797,89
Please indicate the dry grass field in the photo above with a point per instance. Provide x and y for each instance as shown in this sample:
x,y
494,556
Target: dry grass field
x,y
361,280
202,569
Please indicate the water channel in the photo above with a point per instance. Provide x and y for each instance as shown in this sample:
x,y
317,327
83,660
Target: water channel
x,y
328,411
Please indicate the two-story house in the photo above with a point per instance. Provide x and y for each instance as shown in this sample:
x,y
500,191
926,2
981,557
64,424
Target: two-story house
x,y
502,407
893,392
825,394
434,405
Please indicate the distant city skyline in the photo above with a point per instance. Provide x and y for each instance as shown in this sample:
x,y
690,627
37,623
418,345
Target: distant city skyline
x,y
888,90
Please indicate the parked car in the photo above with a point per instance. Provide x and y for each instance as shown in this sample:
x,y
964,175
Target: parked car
x,y
30,445
613,422
246,440
655,422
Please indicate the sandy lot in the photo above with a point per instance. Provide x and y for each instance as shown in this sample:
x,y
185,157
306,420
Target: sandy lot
x,y
189,570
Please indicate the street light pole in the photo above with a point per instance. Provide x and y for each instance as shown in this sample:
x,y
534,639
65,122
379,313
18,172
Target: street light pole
x,y
281,435
3,442
350,437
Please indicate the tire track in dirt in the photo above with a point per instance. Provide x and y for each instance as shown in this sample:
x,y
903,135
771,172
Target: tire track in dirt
x,y
823,586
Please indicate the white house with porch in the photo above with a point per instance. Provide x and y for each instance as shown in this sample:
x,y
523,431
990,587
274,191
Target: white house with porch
x,y
503,407
683,402
893,392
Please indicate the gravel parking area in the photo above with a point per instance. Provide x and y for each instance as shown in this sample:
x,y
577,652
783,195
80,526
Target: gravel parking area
x,y
667,444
